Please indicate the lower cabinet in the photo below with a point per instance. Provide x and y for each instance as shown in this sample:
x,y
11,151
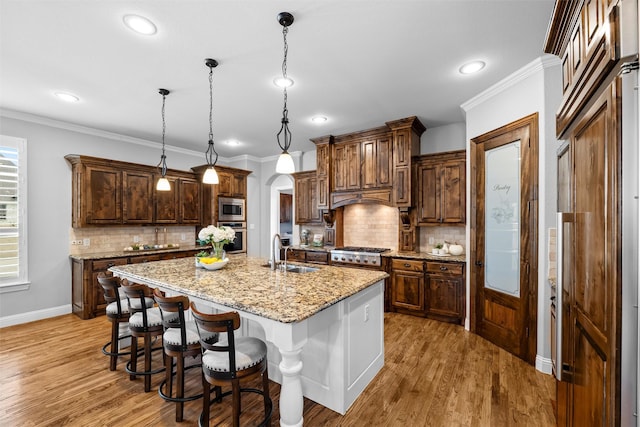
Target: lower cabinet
x,y
87,295
306,255
428,289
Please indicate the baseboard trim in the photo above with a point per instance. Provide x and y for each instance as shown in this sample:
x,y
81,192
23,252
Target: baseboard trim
x,y
32,316
543,364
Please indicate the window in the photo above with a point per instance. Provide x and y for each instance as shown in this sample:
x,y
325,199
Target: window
x,y
13,208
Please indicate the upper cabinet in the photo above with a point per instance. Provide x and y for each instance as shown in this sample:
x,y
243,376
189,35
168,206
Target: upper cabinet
x,y
306,203
286,203
370,166
586,37
232,183
441,188
109,192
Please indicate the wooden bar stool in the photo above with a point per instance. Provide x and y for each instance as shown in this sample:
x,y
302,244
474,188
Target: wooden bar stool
x,y
145,321
230,361
117,312
180,340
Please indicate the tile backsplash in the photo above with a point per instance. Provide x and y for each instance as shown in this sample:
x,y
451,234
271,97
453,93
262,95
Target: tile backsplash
x,y
371,226
109,239
440,234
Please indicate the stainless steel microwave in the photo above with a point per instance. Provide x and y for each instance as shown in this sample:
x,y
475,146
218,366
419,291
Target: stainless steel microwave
x,y
230,209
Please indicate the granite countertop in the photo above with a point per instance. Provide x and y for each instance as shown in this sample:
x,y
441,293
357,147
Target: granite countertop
x,y
245,284
118,254
427,256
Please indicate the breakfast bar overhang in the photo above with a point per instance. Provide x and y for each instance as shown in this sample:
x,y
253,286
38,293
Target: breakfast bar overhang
x,y
324,328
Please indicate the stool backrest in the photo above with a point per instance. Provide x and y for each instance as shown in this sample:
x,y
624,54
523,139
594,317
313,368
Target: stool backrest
x,y
110,289
221,322
169,305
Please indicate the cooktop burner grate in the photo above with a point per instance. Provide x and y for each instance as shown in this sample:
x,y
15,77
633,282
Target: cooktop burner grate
x,y
362,249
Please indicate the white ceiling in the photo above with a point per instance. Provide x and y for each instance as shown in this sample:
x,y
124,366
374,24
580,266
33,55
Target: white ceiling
x,y
360,63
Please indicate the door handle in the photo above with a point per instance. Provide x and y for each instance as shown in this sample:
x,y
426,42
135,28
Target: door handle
x,y
479,263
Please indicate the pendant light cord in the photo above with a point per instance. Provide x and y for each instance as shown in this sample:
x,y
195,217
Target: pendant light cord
x,y
284,129
163,158
211,149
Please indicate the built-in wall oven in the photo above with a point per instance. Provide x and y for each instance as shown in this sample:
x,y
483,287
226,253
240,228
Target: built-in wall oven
x,y
231,210
239,245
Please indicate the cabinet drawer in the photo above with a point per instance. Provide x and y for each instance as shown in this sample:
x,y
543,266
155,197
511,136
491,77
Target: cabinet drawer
x,y
318,257
145,258
445,268
407,265
104,264
297,255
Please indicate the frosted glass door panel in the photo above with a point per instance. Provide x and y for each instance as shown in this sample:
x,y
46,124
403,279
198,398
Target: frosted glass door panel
x,y
502,219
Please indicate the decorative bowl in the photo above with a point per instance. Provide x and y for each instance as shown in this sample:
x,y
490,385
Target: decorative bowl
x,y
456,249
215,265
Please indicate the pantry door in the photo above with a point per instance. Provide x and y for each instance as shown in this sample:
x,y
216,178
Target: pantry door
x,y
504,235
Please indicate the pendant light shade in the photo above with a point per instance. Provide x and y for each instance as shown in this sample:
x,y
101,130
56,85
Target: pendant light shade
x,y
285,162
163,183
210,175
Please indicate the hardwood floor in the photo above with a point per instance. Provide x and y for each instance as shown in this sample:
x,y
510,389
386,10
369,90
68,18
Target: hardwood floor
x,y
52,373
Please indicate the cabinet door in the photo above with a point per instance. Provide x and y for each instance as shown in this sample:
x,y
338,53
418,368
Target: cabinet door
x,y
306,201
239,186
224,185
189,196
103,195
286,202
444,297
352,165
166,204
453,190
322,174
376,163
98,304
137,193
428,193
408,290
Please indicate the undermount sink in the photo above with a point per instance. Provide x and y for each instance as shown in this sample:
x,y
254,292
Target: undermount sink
x,y
293,268
301,269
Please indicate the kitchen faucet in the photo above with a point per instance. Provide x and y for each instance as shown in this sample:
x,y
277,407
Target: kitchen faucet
x,y
273,248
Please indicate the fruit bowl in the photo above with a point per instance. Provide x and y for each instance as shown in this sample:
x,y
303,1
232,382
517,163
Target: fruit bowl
x,y
215,265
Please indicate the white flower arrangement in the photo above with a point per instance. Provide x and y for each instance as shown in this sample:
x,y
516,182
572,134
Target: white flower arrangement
x,y
212,234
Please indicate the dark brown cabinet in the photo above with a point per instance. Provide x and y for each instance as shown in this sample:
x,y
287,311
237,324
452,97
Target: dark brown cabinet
x,y
137,191
376,162
232,183
306,204
445,291
428,289
441,188
408,286
286,204
346,173
108,192
87,295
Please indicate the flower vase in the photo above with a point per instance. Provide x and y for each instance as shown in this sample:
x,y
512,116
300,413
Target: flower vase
x,y
218,250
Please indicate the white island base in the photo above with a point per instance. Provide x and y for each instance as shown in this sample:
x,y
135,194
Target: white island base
x,y
329,357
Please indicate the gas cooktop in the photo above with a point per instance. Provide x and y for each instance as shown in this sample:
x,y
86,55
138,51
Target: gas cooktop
x,y
362,249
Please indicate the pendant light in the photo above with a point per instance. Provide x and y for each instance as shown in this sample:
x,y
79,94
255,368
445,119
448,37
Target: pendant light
x,y
163,182
210,175
285,162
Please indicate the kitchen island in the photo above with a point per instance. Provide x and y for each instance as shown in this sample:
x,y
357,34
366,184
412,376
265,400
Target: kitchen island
x,y
324,328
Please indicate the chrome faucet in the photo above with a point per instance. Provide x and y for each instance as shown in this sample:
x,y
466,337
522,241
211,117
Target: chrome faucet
x,y
273,248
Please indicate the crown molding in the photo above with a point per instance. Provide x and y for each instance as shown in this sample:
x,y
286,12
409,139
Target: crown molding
x,y
538,64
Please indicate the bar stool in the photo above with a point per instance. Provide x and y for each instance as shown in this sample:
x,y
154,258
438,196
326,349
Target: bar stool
x,y
230,361
117,312
145,321
180,340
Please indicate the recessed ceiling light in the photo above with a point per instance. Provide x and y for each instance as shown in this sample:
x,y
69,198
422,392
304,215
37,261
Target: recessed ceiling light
x,y
139,24
232,142
318,119
282,82
68,97
472,67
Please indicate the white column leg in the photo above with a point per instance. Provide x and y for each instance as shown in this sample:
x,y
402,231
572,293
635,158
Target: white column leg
x,y
291,400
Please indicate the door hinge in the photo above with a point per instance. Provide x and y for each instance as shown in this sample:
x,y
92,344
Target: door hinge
x,y
526,330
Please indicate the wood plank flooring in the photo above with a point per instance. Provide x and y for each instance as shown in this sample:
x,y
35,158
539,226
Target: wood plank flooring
x,y
52,373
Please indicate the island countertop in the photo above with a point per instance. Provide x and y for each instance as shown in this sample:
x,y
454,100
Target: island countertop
x,y
245,284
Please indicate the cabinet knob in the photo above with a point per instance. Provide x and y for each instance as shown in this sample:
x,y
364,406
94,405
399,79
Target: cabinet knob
x,y
111,264
479,263
443,268
407,265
